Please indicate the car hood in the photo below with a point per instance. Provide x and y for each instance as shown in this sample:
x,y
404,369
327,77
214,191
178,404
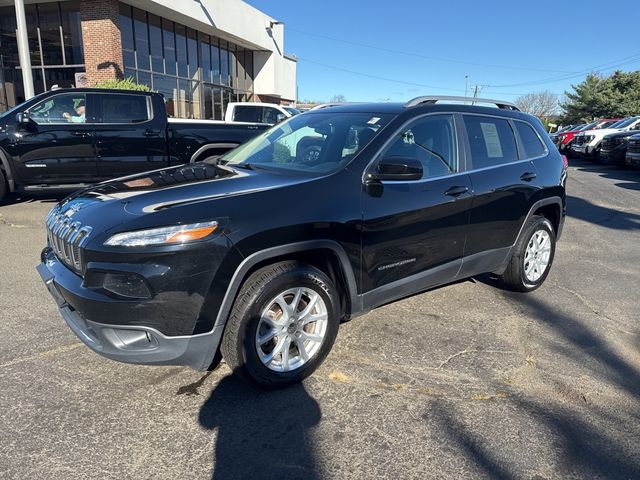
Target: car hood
x,y
107,205
601,131
624,133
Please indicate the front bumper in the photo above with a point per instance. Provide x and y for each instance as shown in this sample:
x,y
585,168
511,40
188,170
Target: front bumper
x,y
125,343
632,159
613,155
584,149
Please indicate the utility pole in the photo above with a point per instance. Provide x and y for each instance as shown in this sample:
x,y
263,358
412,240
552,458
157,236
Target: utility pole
x,y
475,93
23,49
466,79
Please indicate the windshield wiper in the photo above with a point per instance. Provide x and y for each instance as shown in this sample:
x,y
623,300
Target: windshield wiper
x,y
435,154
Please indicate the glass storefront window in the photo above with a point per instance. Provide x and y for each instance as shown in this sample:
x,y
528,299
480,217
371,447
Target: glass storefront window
x,y
215,63
155,43
31,12
232,66
49,19
126,33
141,36
181,50
224,64
205,57
169,47
72,33
192,45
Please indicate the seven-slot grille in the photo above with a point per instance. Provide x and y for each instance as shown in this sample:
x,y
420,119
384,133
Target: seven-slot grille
x,y
608,144
66,238
634,146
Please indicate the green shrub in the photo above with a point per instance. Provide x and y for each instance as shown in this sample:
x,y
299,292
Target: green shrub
x,y
126,84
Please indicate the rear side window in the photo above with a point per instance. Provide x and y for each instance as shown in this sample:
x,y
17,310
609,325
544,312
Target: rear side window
x,y
249,114
123,108
491,141
531,143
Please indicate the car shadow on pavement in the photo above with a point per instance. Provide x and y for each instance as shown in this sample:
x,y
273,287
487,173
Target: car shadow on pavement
x,y
261,434
604,216
615,172
583,345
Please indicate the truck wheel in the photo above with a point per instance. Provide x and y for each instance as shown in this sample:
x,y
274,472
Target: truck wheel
x,y
532,256
4,188
282,325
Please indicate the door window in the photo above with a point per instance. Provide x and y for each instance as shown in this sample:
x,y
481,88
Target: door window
x,y
491,141
63,108
270,115
531,143
123,108
247,113
432,141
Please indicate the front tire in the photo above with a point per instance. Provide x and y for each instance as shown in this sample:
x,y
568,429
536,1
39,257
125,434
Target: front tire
x,y
282,325
532,256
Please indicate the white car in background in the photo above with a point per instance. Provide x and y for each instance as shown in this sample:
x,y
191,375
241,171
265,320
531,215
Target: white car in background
x,y
587,143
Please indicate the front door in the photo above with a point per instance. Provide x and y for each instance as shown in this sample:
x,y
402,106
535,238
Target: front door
x,y
130,136
57,146
414,231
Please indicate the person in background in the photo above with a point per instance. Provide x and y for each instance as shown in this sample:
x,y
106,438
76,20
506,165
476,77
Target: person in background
x,y
80,110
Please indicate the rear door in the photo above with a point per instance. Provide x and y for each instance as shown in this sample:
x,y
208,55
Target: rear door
x,y
414,231
130,136
504,182
57,147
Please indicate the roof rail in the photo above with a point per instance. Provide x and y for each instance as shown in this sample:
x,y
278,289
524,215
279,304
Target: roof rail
x,y
430,100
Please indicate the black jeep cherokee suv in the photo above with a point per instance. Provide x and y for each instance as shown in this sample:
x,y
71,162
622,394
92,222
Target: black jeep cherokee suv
x,y
259,255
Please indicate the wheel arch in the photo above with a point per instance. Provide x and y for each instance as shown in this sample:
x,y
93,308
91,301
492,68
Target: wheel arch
x,y
326,255
8,172
212,149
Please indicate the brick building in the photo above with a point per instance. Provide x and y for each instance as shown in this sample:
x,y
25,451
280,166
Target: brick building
x,y
201,54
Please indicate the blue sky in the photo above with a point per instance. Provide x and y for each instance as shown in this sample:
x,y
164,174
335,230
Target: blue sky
x,y
538,41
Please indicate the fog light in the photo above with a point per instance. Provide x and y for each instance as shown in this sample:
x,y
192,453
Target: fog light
x,y
126,285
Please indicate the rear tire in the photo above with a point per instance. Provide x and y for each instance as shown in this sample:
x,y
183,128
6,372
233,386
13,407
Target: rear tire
x,y
282,325
532,256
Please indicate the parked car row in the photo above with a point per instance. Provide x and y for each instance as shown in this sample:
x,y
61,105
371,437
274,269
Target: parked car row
x,y
607,140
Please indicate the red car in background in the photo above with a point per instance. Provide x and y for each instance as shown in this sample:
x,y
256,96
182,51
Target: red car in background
x,y
564,139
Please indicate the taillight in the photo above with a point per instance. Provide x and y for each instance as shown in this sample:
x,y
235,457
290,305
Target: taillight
x,y
565,162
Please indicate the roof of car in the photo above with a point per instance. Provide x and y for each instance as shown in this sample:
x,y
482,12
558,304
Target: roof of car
x,y
396,108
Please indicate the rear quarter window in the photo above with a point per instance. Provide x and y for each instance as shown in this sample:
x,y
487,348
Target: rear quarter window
x,y
531,143
491,141
117,108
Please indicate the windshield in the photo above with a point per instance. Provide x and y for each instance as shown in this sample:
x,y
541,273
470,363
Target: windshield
x,y
292,111
626,122
616,123
588,126
313,143
608,123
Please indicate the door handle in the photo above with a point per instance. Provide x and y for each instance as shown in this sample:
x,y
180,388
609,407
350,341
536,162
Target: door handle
x,y
528,176
455,191
81,134
150,133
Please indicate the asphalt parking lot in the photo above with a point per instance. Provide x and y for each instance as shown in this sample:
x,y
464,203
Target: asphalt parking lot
x,y
466,381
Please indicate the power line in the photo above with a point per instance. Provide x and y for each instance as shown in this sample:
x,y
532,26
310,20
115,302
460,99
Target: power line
x,y
426,57
393,80
598,68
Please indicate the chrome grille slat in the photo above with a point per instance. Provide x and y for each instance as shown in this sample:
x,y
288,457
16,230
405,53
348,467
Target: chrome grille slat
x,y
66,238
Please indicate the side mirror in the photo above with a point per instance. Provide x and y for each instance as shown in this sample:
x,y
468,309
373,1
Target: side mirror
x,y
23,118
397,168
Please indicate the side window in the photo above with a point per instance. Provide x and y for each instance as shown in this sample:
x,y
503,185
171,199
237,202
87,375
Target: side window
x,y
118,108
246,113
270,115
430,140
63,108
491,141
531,143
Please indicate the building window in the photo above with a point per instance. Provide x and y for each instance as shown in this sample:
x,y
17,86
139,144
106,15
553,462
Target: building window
x,y
198,74
55,48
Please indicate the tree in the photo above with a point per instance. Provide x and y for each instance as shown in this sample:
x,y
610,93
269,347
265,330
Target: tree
x,y
338,99
617,95
541,104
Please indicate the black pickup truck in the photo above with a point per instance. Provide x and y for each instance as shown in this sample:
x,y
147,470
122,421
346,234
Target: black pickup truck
x,y
68,138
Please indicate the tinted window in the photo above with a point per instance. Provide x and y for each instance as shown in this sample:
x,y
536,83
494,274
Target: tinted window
x,y
64,108
531,143
247,114
270,115
123,108
430,140
491,141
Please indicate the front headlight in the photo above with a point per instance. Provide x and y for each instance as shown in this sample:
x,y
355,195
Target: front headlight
x,y
163,235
